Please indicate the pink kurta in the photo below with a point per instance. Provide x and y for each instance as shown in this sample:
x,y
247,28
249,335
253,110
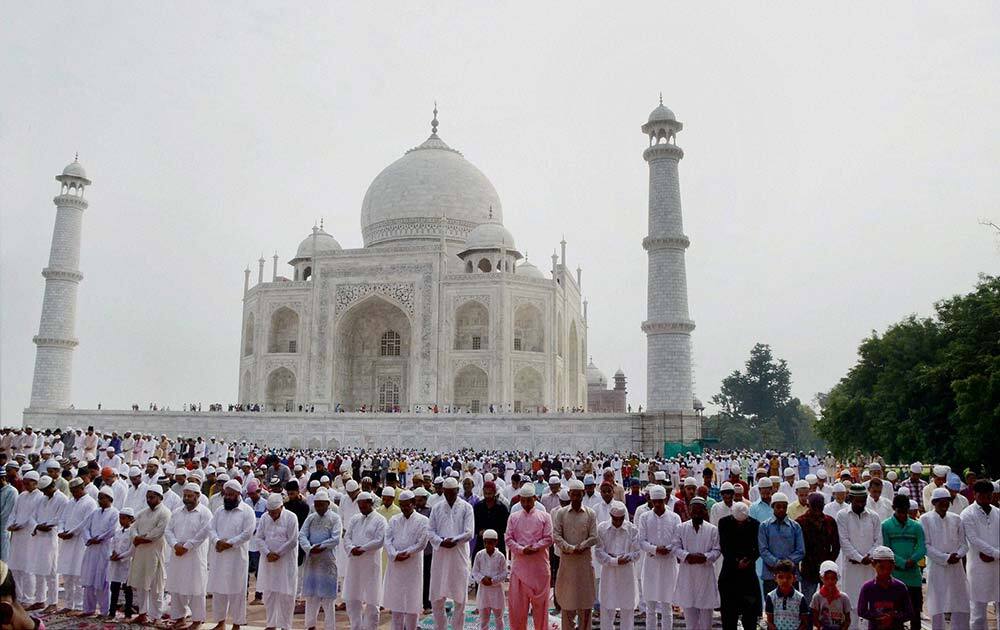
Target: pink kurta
x,y
529,574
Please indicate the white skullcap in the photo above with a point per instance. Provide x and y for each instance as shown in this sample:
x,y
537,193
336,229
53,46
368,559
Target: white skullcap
x,y
904,491
351,485
913,505
155,488
554,480
801,484
789,472
193,487
941,471
344,467
839,487
657,492
765,482
490,534
450,483
406,495
321,495
564,495
779,497
821,473
940,493
324,479
660,475
690,481
527,490
828,565
32,475
882,553
438,480
52,464
488,477
127,512
891,475
365,496
735,468
811,479
775,480
134,471
232,484
314,483
106,491
917,467
421,492
727,486
617,509
274,501
44,482
575,484
874,466
588,480
741,511
110,448
210,470
25,468
388,492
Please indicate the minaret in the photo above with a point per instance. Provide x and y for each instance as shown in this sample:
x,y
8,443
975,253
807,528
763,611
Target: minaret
x,y
52,382
667,327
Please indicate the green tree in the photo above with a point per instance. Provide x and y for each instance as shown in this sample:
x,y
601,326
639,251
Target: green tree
x,y
928,388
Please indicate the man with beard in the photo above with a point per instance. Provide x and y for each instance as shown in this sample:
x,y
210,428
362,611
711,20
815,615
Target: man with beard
x,y
451,527
229,534
98,536
49,515
364,536
617,550
490,514
528,537
739,589
420,495
405,539
187,574
319,538
657,529
696,546
148,572
277,539
21,527
574,530
982,528
860,532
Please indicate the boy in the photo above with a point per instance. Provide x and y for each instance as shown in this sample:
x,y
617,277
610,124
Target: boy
x,y
121,561
885,601
786,607
831,609
489,570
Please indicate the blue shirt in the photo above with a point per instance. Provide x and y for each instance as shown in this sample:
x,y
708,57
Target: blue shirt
x,y
780,540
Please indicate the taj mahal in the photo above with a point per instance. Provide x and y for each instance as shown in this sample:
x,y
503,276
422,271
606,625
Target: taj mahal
x,y
439,324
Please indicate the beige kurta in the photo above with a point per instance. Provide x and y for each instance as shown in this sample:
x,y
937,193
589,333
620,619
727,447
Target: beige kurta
x,y
148,571
575,581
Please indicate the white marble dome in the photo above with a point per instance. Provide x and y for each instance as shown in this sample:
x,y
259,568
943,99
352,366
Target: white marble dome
x,y
595,377
661,113
74,169
528,270
324,244
490,236
408,199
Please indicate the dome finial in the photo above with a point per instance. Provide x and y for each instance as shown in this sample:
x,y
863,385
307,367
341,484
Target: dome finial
x,y
661,98
76,157
491,212
434,121
321,223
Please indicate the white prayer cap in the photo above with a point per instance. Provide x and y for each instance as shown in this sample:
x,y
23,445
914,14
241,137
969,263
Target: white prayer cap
x,y
170,470
345,467
52,464
44,482
690,481
779,497
882,553
553,480
274,501
129,512
193,487
540,473
789,472
32,475
575,484
450,483
760,471
617,509
154,488
800,485
406,495
438,480
388,492
527,490
488,477
917,467
700,501
657,492
741,511
765,482
940,493
904,491
298,467
608,469
321,495
134,471
828,565
891,475
660,475
811,479
110,448
735,468
210,470
314,483
775,480
913,505
874,466
727,486
490,534
421,492
941,471
588,480
222,477
105,490
821,473
839,487
351,485
232,484
365,496
564,495
324,479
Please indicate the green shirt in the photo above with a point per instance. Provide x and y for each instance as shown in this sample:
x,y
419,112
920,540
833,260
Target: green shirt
x,y
907,542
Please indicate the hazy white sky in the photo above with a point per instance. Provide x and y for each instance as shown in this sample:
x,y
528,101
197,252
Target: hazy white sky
x,y
837,160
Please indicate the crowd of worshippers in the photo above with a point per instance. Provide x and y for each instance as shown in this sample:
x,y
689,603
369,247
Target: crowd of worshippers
x,y
151,529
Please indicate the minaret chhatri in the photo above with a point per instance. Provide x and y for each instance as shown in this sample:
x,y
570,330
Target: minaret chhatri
x,y
668,326
51,385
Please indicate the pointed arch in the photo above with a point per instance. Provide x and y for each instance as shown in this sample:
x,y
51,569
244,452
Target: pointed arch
x,y
361,367
284,331
573,366
248,327
471,391
281,390
472,326
528,388
529,329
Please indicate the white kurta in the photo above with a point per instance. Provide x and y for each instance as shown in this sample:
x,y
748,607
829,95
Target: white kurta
x,y
618,587
100,525
947,590
230,567
44,546
696,583
659,572
280,536
450,567
983,533
363,579
496,568
859,535
188,574
121,545
73,522
404,579
347,508
833,508
20,541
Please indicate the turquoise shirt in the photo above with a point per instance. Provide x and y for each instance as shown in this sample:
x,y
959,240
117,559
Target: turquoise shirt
x,y
907,542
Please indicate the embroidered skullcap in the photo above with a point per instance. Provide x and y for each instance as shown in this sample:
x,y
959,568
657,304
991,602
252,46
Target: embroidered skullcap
x,y
73,483
882,553
940,493
450,483
575,484
154,489
388,492
839,487
874,466
913,505
727,486
735,468
314,483
438,481
779,497
324,479
741,511
52,464
134,471
553,480
789,472
490,534
617,509
588,480
421,492
564,495
232,484
365,496
800,485
765,482
701,501
811,479
44,482
274,501
351,485
821,473
904,491
406,495
193,487
690,481
321,495
527,490
941,471
916,467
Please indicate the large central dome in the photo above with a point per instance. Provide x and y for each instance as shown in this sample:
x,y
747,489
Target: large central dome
x,y
429,192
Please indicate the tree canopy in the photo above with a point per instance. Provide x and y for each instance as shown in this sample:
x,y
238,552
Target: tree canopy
x,y
927,388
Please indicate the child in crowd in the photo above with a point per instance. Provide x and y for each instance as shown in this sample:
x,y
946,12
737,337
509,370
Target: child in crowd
x,y
885,601
785,606
121,562
489,570
831,609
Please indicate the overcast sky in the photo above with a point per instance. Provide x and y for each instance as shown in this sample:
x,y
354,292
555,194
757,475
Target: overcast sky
x,y
837,160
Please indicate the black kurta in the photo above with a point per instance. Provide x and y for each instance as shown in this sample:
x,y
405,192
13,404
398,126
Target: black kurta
x,y
739,588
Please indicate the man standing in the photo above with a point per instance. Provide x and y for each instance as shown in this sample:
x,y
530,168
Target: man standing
x,y
617,550
779,538
528,538
229,534
946,545
915,485
148,572
822,542
739,588
905,537
277,540
319,538
656,533
187,572
72,543
8,497
860,532
50,514
696,545
21,527
405,538
364,536
98,535
452,525
982,528
574,530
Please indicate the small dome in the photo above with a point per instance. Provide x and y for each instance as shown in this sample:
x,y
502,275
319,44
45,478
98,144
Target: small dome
x,y
528,270
489,236
697,404
74,169
619,372
661,113
595,377
324,244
